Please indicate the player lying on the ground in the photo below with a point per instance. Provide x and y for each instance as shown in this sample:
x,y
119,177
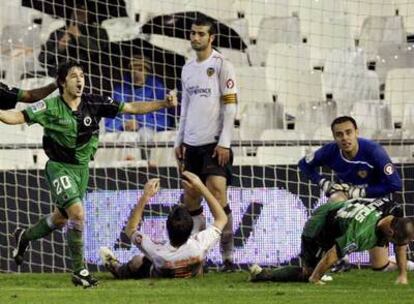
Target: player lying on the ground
x,y
183,255
339,228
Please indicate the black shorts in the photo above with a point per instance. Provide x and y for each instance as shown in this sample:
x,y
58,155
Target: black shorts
x,y
144,271
199,161
312,251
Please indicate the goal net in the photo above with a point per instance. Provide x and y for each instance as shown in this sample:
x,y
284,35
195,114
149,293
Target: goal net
x,y
298,64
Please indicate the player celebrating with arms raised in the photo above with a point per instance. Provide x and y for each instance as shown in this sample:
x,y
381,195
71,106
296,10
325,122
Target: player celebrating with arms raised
x,y
183,255
71,128
208,109
362,167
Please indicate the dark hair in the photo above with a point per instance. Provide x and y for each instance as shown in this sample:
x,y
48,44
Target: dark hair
x,y
63,71
342,119
203,21
403,230
179,225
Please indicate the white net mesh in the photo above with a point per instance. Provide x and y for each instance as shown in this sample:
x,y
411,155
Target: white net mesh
x,y
298,64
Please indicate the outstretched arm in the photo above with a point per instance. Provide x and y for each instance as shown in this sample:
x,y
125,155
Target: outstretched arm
x,y
401,255
12,117
193,182
150,189
323,266
150,106
37,94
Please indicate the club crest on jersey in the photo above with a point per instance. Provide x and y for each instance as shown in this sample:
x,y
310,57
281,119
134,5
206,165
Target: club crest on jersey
x,y
362,173
38,106
210,72
230,84
389,169
87,121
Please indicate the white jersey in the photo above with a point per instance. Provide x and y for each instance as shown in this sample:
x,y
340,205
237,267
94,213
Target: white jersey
x,y
182,262
207,86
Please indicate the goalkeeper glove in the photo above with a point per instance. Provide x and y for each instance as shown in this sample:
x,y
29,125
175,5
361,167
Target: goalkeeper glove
x,y
325,185
355,191
330,188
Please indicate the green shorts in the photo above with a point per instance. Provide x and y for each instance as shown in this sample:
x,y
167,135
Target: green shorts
x,y
67,182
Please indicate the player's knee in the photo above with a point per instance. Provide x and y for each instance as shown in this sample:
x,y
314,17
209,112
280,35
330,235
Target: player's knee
x,y
136,262
191,200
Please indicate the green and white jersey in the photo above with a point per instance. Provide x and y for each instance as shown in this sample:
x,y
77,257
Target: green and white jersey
x,y
357,223
350,225
71,136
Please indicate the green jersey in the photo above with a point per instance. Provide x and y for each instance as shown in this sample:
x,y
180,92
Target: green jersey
x,y
350,225
71,136
357,224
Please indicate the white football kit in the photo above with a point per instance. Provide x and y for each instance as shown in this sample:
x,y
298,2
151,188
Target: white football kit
x,y
206,86
182,262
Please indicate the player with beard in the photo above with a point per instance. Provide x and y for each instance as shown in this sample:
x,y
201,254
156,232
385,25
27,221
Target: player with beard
x,y
208,109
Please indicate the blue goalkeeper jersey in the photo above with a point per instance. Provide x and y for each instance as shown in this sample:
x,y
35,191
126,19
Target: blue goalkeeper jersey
x,y
371,167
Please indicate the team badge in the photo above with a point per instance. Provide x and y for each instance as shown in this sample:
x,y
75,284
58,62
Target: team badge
x,y
230,84
362,173
210,72
87,121
389,169
38,106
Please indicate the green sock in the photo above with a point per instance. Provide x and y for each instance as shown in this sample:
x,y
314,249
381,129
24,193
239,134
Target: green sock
x,y
39,230
281,274
75,244
287,274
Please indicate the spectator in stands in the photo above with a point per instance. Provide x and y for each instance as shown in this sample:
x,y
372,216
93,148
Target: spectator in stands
x,y
83,40
140,85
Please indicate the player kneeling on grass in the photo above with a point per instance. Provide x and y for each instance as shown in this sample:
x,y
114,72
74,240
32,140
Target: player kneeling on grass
x,y
183,255
339,228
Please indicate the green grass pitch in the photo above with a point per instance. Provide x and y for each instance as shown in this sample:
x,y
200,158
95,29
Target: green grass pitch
x,y
357,286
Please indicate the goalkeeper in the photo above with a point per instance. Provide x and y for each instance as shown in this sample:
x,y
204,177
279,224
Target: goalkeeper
x,y
363,169
71,128
339,228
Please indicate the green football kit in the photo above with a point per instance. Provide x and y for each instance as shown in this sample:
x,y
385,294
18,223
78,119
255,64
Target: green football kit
x,y
349,225
70,141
